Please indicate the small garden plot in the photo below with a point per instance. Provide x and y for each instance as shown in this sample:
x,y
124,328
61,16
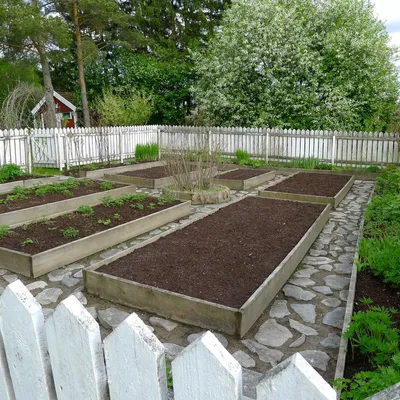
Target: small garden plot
x,y
312,188
153,178
220,272
28,204
47,244
242,179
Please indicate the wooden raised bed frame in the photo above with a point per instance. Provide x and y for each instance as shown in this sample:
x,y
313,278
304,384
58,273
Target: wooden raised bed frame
x,y
99,173
8,187
51,210
307,198
49,260
240,184
194,311
152,183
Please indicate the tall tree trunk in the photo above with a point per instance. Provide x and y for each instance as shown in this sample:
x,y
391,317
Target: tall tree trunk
x,y
81,68
51,118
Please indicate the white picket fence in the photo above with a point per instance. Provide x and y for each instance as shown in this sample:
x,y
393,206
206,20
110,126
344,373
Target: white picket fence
x,y
64,358
65,147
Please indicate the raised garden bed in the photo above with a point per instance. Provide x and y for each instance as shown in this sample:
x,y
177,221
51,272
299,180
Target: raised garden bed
x,y
50,204
220,272
216,195
99,173
35,249
29,182
155,177
311,188
243,179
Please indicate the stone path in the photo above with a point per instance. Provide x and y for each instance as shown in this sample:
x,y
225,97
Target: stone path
x,y
306,315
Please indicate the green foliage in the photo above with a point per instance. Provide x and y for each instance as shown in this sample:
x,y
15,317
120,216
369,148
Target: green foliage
x,y
380,245
117,217
124,109
306,163
242,157
375,334
146,152
372,168
26,241
151,206
86,210
166,199
366,301
104,185
4,230
104,222
9,172
300,64
257,163
71,232
139,206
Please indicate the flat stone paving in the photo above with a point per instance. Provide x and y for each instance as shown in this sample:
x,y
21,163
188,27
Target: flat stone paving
x,y
306,315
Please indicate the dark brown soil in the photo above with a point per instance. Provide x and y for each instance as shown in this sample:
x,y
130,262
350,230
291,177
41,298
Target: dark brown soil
x,y
312,184
33,200
49,234
242,174
373,287
224,257
151,173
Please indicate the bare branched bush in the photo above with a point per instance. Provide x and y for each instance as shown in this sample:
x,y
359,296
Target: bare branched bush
x,y
16,109
193,161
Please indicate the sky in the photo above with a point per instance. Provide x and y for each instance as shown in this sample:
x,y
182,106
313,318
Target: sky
x,y
388,11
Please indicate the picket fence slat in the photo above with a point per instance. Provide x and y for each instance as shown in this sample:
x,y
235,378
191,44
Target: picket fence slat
x,y
135,360
76,352
205,370
22,327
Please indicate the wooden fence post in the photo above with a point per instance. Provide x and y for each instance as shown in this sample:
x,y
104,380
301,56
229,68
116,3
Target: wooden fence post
x,y
58,139
294,378
28,151
22,327
266,146
121,145
76,353
135,362
333,149
159,142
205,370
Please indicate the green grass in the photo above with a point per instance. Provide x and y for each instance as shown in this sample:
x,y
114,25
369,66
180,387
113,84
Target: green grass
x,y
146,152
46,171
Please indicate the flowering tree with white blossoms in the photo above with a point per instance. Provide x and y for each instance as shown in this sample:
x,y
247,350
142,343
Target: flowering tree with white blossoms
x,y
304,64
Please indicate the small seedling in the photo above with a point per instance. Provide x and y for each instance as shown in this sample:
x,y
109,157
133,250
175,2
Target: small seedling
x,y
104,221
52,229
117,216
151,206
25,227
107,201
70,232
86,210
4,230
44,220
366,301
26,242
106,185
139,206
166,199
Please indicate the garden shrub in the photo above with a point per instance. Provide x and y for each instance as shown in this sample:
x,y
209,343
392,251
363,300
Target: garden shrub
x,y
242,157
10,171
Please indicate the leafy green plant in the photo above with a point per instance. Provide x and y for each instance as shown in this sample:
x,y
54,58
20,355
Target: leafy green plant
x,y
166,199
139,206
9,172
257,163
25,227
374,333
104,185
52,228
366,301
4,230
107,201
147,152
242,157
86,210
324,166
151,206
70,232
104,222
117,217
26,242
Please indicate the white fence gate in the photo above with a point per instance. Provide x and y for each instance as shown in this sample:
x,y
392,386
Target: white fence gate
x,y
65,358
